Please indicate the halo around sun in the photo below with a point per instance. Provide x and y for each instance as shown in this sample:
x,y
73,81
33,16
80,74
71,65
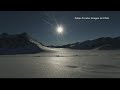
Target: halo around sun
x,y
60,30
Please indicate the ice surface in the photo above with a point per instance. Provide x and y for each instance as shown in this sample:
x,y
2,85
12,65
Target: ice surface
x,y
62,63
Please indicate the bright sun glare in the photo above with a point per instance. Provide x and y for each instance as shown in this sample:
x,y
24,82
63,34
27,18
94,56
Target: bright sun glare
x,y
60,29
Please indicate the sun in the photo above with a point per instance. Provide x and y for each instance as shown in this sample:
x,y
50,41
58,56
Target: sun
x,y
59,29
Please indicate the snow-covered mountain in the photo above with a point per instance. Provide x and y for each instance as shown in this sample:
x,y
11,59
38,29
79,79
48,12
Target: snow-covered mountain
x,y
103,43
20,44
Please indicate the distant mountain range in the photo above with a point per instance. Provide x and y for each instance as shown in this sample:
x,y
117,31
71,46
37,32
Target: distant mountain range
x,y
103,43
19,44
24,44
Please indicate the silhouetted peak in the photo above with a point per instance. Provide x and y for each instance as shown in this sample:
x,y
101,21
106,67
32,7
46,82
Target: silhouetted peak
x,y
24,33
103,38
4,34
24,36
117,38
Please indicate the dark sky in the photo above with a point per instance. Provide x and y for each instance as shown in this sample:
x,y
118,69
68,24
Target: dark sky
x,y
74,30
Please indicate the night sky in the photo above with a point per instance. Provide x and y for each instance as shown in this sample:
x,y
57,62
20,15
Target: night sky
x,y
33,22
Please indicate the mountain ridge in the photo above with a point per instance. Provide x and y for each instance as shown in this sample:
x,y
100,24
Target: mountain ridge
x,y
102,43
19,44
